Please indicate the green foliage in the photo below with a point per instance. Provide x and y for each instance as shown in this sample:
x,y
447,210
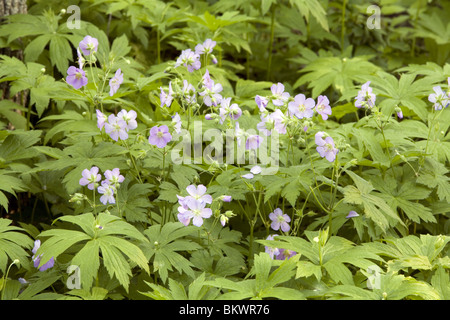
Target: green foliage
x,y
392,168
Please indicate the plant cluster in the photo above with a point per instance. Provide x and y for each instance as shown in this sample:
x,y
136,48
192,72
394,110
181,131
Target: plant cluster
x,y
170,150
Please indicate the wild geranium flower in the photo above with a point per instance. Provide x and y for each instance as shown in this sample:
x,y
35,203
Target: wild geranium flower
x,y
273,252
197,211
127,119
326,148
211,91
81,59
76,77
116,128
323,107
198,193
226,110
225,198
88,45
189,92
253,142
302,107
266,125
319,138
101,119
159,136
205,47
189,59
108,193
279,97
37,259
184,215
239,133
279,220
166,98
90,178
352,214
254,170
284,254
261,102
281,121
439,98
176,121
115,82
365,96
113,177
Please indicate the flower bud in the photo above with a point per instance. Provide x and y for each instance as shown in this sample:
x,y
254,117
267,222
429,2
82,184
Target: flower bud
x,y
63,11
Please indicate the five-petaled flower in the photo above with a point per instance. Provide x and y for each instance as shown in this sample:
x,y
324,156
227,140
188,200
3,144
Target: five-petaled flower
x,y
439,98
279,97
279,220
115,82
159,136
189,59
90,178
325,147
365,96
323,107
88,45
302,107
108,193
76,77
205,47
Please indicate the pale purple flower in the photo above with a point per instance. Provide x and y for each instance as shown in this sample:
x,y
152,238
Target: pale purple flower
x,y
189,92
238,133
270,250
81,59
197,211
205,47
280,121
261,102
159,136
254,170
90,177
267,124
279,220
176,121
253,142
189,59
439,98
115,82
166,98
101,119
128,118
113,177
225,198
302,107
319,138
284,254
327,149
279,97
198,193
211,91
76,77
116,128
352,214
248,176
37,259
184,215
323,107
107,192
365,96
88,45
400,114
225,110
